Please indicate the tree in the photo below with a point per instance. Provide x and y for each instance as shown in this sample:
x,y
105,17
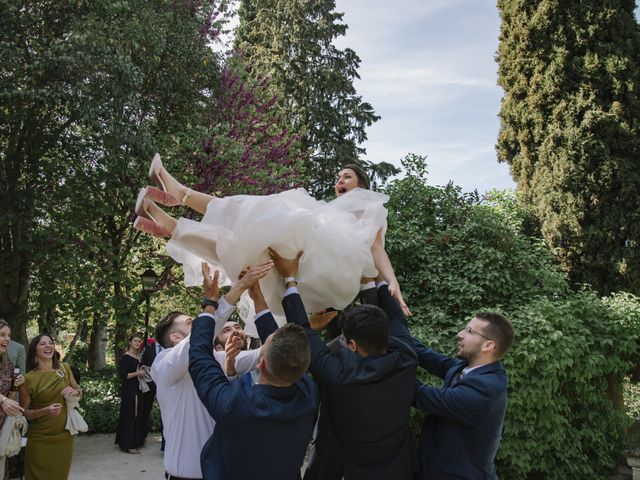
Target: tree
x,y
90,90
456,254
249,148
569,131
292,42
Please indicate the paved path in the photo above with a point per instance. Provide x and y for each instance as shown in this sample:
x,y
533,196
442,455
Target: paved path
x,y
96,457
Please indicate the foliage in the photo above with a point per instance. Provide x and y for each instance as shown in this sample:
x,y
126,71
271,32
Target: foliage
x,y
560,422
101,400
85,105
248,148
569,131
100,404
457,254
292,43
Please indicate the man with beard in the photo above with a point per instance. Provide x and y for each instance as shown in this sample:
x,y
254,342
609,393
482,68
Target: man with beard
x,y
187,422
462,430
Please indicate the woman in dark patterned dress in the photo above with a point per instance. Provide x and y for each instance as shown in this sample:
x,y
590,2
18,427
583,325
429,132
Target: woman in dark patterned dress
x,y
7,397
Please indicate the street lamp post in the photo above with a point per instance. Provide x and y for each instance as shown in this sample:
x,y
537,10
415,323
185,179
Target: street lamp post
x,y
149,279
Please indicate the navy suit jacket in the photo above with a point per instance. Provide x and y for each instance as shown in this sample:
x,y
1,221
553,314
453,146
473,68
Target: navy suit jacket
x,y
463,426
261,431
363,430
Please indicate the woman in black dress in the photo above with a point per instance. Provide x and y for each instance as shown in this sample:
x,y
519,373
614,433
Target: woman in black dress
x,y
130,431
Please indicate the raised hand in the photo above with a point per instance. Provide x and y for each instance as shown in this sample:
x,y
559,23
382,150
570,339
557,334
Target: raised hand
x,y
210,285
287,267
255,292
235,344
250,275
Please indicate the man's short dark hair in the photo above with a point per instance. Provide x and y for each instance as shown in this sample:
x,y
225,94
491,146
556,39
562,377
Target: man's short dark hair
x,y
368,325
288,355
165,328
363,178
499,330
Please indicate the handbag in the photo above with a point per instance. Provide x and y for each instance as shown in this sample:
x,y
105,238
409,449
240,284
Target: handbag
x,y
75,422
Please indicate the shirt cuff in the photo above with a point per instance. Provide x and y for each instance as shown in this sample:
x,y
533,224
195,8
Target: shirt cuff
x,y
291,290
261,313
368,285
225,309
381,283
207,314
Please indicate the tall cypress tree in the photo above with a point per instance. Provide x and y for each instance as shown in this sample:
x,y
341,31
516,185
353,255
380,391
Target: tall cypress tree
x,y
291,41
570,130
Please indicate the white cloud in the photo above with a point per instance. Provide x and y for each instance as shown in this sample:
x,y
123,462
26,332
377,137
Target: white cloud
x,y
428,69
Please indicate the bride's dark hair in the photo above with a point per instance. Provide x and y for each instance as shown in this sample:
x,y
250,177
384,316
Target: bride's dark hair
x,y
363,178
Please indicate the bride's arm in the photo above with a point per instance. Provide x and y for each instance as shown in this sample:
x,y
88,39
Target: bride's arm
x,y
383,264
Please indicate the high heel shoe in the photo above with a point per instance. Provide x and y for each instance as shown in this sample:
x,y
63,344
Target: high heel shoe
x,y
154,174
154,171
152,228
144,220
162,197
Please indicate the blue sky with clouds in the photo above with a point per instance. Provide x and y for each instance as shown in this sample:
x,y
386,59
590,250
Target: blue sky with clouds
x,y
428,69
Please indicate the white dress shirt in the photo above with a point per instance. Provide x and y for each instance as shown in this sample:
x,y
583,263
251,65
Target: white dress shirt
x,y
187,424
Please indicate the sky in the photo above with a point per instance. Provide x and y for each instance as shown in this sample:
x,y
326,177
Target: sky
x,y
428,69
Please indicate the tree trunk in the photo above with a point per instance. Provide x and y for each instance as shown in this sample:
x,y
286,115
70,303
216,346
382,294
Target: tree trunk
x,y
615,391
96,356
14,283
119,341
82,326
47,321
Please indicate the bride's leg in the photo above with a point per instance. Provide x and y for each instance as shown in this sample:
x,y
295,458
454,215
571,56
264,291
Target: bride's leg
x,y
192,199
197,200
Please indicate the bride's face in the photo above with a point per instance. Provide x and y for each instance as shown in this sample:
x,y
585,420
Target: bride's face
x,y
347,180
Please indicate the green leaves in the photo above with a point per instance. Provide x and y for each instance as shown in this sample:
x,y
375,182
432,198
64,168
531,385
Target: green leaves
x,y
457,254
571,75
292,43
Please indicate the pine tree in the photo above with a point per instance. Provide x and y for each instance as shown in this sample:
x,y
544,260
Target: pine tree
x,y
570,131
292,42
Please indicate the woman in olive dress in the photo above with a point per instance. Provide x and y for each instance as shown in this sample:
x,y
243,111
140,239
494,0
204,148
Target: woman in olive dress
x,y
130,431
49,445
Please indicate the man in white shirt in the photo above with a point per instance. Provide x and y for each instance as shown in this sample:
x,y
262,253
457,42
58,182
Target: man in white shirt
x,y
187,423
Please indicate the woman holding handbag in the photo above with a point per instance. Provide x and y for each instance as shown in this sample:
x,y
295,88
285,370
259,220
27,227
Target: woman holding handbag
x,y
49,445
130,431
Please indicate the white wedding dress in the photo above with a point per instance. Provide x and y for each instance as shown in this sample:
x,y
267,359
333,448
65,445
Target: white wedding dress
x,y
335,236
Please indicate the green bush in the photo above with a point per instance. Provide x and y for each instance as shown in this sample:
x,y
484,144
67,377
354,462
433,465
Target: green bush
x,y
456,254
101,401
560,422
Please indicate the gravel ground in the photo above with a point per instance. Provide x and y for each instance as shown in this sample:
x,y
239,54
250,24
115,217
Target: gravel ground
x,y
96,457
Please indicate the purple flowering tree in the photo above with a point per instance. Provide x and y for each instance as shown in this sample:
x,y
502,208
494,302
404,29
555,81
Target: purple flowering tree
x,y
248,148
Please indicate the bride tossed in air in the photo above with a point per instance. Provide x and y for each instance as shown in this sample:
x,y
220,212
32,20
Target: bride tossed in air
x,y
342,240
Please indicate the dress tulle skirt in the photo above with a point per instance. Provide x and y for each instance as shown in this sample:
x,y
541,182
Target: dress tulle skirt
x,y
335,236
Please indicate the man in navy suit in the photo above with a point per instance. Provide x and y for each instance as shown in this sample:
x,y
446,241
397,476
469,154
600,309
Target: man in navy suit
x,y
262,430
463,426
367,388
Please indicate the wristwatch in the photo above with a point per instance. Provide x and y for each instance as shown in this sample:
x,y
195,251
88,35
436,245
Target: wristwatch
x,y
286,280
207,302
